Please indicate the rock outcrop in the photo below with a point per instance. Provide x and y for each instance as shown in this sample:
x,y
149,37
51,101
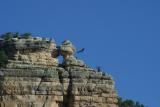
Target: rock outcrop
x,y
33,77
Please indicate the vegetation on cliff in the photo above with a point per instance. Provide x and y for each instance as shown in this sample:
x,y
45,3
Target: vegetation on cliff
x,y
9,35
129,103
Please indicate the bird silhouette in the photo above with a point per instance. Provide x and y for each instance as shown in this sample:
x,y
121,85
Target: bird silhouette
x,y
99,69
81,50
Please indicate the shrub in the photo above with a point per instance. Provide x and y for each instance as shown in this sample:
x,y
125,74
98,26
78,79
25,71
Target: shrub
x,y
128,103
27,35
7,36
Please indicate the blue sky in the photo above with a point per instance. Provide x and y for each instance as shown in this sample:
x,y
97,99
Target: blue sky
x,y
121,36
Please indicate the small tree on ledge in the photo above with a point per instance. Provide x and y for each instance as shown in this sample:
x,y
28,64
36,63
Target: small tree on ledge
x,y
27,35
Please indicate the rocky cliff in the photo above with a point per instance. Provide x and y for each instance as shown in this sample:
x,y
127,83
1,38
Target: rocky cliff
x,y
33,77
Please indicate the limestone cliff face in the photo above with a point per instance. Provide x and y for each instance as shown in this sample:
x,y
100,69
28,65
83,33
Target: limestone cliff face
x,y
34,78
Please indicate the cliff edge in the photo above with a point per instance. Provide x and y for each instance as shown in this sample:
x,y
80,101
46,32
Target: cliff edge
x,y
33,77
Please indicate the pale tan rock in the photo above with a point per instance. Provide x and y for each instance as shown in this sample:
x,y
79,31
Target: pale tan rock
x,y
33,77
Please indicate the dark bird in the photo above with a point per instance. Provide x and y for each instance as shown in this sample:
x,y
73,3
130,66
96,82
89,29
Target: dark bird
x,y
99,69
81,50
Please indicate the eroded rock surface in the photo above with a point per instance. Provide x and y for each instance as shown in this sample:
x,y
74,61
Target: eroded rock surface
x,y
34,78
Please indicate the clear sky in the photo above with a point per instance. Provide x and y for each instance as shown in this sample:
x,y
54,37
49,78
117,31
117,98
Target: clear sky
x,y
121,36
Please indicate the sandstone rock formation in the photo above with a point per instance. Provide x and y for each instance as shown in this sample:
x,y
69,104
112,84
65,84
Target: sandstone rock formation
x,y
33,77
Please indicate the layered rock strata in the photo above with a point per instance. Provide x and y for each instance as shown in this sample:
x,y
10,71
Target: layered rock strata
x,y
34,78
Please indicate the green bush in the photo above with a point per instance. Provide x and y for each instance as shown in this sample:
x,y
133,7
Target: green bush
x,y
27,35
16,35
7,36
128,103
